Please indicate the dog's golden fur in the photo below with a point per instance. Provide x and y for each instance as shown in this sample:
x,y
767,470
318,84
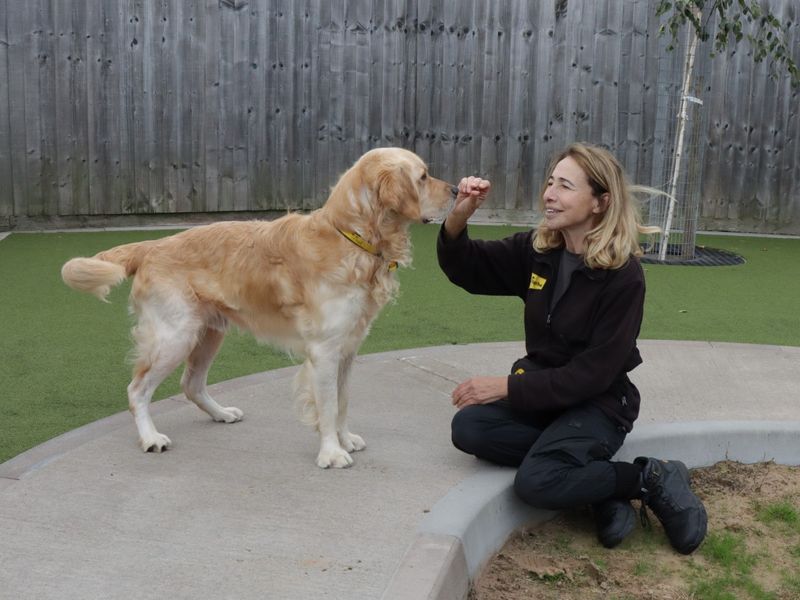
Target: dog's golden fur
x,y
296,282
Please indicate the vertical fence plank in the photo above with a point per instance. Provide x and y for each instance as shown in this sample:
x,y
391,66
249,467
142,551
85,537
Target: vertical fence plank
x,y
212,107
556,20
359,32
6,172
194,24
258,156
490,130
45,41
789,186
110,133
379,48
96,101
461,41
305,193
424,78
517,100
501,33
582,85
16,27
227,105
238,111
452,98
337,146
171,81
125,173
151,117
139,201
756,148
768,170
114,67
180,28
632,49
392,83
646,158
34,15
285,100
739,88
330,87
601,56
548,101
610,75
321,91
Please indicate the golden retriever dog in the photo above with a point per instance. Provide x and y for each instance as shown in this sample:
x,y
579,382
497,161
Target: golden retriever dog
x,y
311,284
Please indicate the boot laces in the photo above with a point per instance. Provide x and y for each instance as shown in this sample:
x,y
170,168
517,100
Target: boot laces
x,y
662,499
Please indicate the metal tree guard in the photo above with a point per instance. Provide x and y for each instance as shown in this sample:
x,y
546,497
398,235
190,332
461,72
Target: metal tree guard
x,y
677,214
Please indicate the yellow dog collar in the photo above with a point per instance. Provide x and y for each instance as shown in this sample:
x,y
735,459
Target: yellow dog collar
x,y
365,245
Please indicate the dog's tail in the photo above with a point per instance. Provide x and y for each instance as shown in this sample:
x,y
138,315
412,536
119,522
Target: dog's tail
x,y
98,274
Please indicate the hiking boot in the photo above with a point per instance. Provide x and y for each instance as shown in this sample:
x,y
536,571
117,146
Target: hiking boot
x,y
615,520
666,491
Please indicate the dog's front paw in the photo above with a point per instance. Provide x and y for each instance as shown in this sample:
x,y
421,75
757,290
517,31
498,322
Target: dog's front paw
x,y
157,442
337,458
229,414
352,442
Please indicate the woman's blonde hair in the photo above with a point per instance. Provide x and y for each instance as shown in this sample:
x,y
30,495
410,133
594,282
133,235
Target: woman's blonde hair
x,y
615,238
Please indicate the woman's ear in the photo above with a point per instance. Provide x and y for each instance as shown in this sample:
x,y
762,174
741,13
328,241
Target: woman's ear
x,y
601,203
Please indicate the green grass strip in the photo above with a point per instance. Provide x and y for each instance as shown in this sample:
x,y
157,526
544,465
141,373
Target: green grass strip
x,y
63,354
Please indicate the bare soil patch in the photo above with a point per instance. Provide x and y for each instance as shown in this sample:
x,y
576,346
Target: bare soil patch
x,y
752,549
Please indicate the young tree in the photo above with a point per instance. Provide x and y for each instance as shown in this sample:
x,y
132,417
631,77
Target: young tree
x,y
767,35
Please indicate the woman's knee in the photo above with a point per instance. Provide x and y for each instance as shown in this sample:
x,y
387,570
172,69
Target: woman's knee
x,y
541,483
466,430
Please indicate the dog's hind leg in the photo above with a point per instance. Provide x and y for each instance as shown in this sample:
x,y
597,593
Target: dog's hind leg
x,y
349,441
194,377
162,346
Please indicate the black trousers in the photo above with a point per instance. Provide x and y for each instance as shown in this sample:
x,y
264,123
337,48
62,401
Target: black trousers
x,y
562,459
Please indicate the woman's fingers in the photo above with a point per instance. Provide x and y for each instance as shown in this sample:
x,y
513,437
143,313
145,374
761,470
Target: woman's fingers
x,y
473,187
479,390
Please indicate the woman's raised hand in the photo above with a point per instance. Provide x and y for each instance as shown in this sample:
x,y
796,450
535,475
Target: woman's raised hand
x,y
472,191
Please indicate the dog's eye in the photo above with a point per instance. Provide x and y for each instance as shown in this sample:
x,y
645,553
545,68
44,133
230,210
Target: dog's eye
x,y
424,176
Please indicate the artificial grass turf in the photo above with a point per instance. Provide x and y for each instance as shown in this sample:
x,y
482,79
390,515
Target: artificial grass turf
x,y
756,303
63,353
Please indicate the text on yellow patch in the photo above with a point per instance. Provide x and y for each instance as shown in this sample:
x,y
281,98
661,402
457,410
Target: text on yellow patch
x,y
537,282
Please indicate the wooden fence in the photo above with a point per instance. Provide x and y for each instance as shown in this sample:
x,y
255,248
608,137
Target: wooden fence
x,y
119,107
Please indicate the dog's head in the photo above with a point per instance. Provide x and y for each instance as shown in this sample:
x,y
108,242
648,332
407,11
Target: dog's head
x,y
402,185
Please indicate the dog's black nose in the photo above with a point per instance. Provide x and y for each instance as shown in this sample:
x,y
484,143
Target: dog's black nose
x,y
454,191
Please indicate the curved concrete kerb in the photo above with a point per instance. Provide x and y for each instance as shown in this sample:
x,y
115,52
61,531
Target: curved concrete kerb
x,y
472,522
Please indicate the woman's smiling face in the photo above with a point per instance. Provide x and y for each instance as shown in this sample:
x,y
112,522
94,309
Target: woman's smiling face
x,y
570,205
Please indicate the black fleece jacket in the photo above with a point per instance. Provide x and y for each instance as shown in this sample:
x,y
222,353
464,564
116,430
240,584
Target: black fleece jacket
x,y
579,350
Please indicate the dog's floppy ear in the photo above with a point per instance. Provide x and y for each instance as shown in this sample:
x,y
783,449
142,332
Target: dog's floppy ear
x,y
398,193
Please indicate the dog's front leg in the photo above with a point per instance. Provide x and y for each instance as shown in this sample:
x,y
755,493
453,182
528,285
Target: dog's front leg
x,y
324,376
349,441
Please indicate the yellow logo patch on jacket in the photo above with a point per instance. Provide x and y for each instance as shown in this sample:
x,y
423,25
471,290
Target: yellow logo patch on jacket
x,y
537,282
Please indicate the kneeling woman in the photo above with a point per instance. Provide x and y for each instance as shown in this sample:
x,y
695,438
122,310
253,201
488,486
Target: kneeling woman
x,y
566,407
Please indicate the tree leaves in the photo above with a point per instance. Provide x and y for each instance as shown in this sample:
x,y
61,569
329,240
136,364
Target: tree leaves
x,y
736,20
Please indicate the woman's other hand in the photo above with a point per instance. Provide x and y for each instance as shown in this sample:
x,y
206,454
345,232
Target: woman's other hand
x,y
480,390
